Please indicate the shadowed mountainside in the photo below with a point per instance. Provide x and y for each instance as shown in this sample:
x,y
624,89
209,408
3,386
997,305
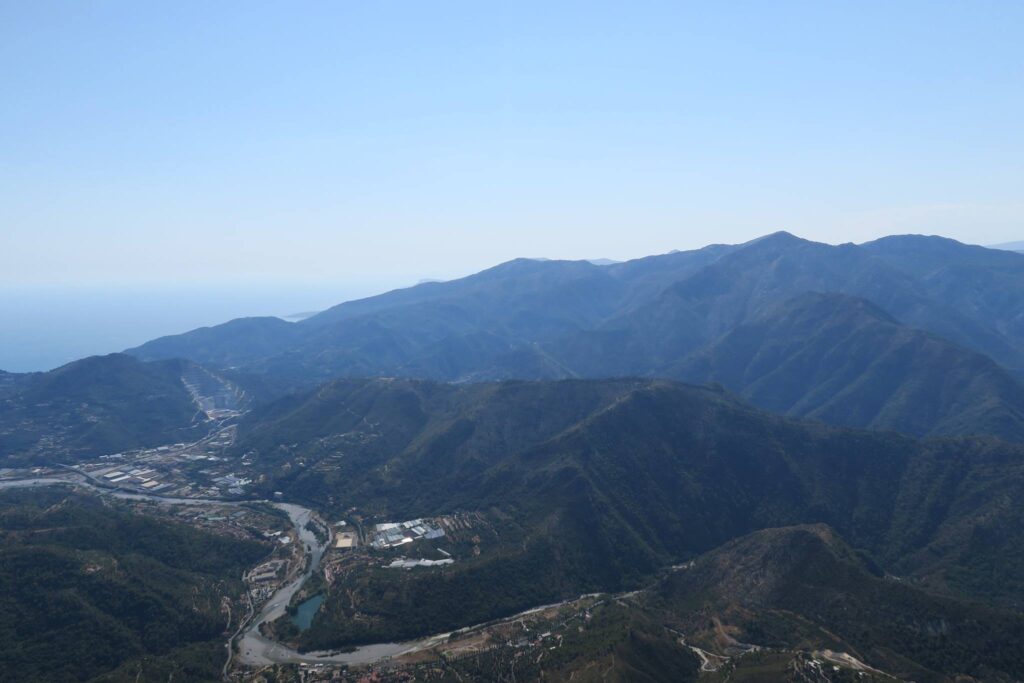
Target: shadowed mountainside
x,y
845,361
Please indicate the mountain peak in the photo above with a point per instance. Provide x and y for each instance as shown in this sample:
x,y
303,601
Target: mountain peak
x,y
776,241
778,237
918,241
524,265
762,567
929,253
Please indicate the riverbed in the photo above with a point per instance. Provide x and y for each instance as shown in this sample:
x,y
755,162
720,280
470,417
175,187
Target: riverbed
x,y
255,649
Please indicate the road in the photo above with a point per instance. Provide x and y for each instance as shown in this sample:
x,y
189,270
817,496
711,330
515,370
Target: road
x,y
254,649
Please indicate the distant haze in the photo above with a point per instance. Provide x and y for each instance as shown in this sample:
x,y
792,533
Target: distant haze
x,y
45,327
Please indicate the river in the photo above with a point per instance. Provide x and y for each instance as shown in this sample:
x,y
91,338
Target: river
x,y
255,649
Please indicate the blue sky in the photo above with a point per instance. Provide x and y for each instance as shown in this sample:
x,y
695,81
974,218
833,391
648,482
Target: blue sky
x,y
386,141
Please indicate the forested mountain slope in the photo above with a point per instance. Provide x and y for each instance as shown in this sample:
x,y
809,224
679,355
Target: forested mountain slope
x,y
94,406
805,588
88,587
844,361
602,482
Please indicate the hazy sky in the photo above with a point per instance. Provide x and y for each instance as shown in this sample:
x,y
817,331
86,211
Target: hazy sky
x,y
354,141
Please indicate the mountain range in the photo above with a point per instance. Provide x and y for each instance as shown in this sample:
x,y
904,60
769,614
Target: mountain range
x,y
773,320
914,334
784,444
843,360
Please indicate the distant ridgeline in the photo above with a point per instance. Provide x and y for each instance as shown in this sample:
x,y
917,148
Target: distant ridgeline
x,y
922,335
545,400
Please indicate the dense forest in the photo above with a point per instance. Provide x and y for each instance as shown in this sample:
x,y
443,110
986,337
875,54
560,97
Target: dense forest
x,y
103,587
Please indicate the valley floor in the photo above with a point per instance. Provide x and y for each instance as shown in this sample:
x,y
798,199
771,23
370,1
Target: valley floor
x,y
527,642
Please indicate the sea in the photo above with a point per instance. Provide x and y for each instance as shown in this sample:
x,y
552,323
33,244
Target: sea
x,y
44,327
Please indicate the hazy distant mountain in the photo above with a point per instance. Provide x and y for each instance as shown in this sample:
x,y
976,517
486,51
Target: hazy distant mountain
x,y
237,341
845,361
553,319
486,325
1009,246
602,482
969,295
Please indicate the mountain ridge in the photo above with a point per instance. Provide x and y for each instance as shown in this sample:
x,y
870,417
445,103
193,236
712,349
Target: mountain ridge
x,y
657,316
804,587
844,360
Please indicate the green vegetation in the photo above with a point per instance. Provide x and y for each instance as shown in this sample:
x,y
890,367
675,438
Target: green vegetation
x,y
621,644
601,483
770,666
191,663
95,406
89,587
399,605
803,587
618,643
